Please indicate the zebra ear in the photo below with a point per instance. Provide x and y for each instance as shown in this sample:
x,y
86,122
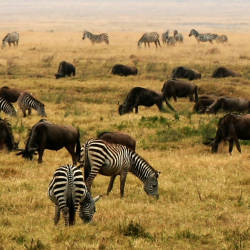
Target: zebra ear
x,y
97,198
157,174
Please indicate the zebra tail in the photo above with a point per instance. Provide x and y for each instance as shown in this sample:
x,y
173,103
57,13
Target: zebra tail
x,y
71,206
78,146
87,167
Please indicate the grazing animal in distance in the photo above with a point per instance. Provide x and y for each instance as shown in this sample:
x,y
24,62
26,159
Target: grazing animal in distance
x,y
224,72
178,36
46,135
27,102
6,136
221,39
206,37
171,41
68,191
103,37
149,37
177,88
142,97
229,104
164,36
183,72
118,138
7,107
203,103
11,38
114,159
231,128
123,70
9,94
65,69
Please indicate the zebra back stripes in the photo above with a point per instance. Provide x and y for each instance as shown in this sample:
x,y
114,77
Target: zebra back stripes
x,y
7,107
205,37
67,191
103,37
149,37
26,101
107,159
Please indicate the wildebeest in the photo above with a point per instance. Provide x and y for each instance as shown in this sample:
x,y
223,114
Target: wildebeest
x,y
183,72
142,97
65,69
11,38
177,88
118,138
203,102
124,70
224,72
6,136
9,94
46,135
231,128
229,104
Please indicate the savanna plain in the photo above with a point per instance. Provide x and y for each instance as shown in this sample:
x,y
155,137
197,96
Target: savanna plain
x,y
204,198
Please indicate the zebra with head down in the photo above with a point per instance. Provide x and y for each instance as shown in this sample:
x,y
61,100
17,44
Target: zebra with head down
x,y
205,37
103,37
10,38
149,37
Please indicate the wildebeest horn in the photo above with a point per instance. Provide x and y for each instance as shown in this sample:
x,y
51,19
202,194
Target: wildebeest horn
x,y
97,198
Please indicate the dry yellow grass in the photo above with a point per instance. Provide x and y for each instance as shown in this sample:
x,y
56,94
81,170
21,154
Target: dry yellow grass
x,y
204,198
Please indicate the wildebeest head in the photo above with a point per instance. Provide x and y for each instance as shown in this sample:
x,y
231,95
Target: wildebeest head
x,y
59,75
123,109
151,185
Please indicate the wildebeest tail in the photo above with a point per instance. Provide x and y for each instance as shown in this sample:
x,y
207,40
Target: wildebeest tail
x,y
78,146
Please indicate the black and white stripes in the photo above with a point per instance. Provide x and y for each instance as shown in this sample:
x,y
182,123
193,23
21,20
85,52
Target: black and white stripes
x,y
149,37
98,156
103,37
7,107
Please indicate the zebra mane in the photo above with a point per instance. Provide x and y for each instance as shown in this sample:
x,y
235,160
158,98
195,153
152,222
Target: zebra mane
x,y
40,103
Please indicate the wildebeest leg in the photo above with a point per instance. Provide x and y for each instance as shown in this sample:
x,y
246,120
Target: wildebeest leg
x,y
159,105
72,153
123,177
40,155
191,98
231,145
111,183
237,144
57,215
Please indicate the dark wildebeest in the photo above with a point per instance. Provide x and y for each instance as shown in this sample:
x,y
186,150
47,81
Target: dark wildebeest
x,y
9,94
224,72
142,97
183,72
118,138
6,136
45,135
229,104
177,88
65,69
232,128
123,70
203,102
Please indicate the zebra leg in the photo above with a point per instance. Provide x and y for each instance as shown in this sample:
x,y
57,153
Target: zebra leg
x,y
29,110
57,214
66,215
111,183
155,44
123,177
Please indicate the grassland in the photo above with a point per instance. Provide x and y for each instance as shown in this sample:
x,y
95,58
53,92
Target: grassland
x,y
204,198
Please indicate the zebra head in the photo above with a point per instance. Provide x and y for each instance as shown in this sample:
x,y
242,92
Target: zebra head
x,y
87,207
3,44
193,32
41,110
175,32
151,185
84,35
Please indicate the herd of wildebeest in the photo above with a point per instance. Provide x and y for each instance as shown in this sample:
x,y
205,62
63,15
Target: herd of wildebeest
x,y
114,153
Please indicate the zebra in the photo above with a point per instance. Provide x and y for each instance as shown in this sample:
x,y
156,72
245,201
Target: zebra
x,y
206,37
67,191
149,37
164,36
26,101
7,107
221,39
10,38
98,156
103,37
178,36
171,41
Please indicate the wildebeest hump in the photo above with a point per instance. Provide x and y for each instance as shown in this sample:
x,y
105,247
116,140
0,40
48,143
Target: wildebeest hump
x,y
9,94
224,72
124,70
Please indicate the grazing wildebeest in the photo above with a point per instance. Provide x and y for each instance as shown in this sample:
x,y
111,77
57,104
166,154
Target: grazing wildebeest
x,y
9,94
65,69
203,102
229,104
149,37
124,70
224,72
46,135
118,138
142,97
11,38
6,136
177,88
231,128
183,72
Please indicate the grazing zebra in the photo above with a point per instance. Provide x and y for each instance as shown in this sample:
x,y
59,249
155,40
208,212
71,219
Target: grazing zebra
x,y
98,156
26,101
67,191
221,39
178,36
11,38
150,37
206,37
103,37
171,41
164,36
7,107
